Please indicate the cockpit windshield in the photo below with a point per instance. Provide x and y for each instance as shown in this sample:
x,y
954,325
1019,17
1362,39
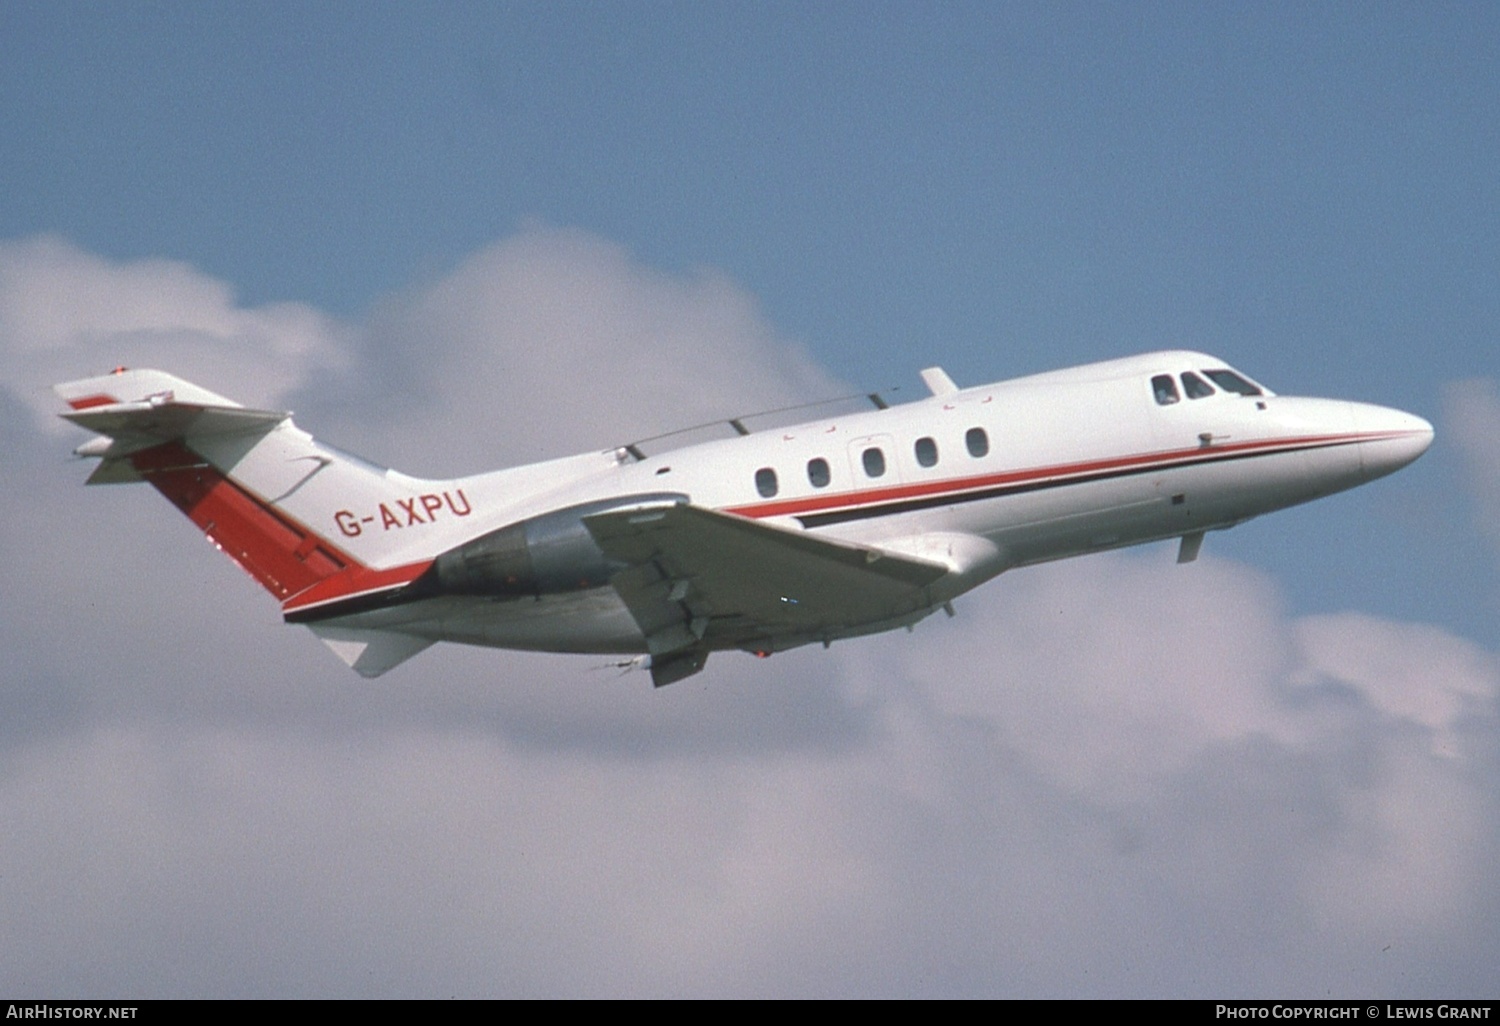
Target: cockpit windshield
x,y
1229,381
1196,387
1165,390
1164,387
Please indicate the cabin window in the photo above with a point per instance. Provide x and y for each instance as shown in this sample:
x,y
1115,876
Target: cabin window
x,y
874,461
978,442
927,454
817,472
1165,390
765,482
1229,381
1196,387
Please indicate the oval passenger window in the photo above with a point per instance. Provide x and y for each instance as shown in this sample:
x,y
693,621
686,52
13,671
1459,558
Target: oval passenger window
x,y
927,454
817,472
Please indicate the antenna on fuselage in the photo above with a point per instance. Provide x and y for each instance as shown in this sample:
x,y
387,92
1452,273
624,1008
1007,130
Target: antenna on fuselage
x,y
938,382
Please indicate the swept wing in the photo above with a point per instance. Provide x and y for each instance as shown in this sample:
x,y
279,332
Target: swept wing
x,y
698,579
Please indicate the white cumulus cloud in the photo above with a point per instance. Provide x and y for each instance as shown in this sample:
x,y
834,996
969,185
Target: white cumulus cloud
x,y
66,313
555,341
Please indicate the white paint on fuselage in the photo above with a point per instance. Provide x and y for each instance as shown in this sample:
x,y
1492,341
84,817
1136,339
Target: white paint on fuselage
x,y
1077,461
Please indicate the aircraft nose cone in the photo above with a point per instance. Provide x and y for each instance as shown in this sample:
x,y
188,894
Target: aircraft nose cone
x,y
1389,439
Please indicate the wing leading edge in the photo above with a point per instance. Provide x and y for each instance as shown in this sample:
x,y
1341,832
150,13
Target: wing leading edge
x,y
699,580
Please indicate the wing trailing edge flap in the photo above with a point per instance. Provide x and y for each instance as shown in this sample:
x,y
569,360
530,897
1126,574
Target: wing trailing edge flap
x,y
700,580
370,652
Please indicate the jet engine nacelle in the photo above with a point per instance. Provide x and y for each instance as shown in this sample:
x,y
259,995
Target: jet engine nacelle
x,y
543,555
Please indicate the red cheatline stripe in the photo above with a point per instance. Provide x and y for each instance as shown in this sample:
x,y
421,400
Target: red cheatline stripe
x,y
88,402
1060,472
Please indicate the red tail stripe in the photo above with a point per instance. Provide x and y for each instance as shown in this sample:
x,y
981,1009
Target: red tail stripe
x,y
284,557
88,402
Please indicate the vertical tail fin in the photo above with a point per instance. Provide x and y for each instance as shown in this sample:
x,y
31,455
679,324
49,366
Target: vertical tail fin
x,y
265,492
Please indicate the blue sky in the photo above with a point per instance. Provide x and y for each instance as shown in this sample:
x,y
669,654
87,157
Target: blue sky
x,y
375,201
972,179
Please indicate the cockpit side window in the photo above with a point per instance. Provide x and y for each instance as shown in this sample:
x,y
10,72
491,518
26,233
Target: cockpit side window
x,y
1229,381
1196,387
1165,390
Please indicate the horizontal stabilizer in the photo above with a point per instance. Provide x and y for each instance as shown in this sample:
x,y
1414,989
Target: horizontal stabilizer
x,y
130,428
371,653
141,409
138,409
114,471
164,421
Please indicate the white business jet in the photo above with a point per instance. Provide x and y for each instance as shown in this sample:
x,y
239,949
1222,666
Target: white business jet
x,y
761,541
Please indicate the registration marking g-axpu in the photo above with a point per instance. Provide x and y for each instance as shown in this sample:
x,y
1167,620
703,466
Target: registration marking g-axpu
x,y
415,511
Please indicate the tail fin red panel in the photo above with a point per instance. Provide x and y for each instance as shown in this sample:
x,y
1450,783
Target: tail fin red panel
x,y
284,557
